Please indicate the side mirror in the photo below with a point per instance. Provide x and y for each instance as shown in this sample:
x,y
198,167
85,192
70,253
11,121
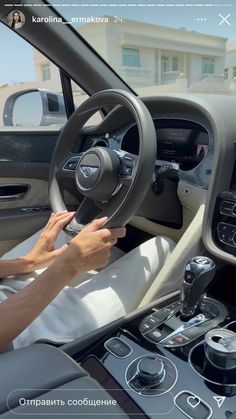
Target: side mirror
x,y
34,108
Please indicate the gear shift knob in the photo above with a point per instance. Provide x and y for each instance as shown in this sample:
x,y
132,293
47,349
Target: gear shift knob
x,y
199,272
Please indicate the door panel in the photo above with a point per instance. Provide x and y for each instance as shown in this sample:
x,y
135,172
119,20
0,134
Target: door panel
x,y
37,195
24,160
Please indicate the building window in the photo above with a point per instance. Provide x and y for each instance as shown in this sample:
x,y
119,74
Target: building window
x,y
131,57
175,63
208,65
234,71
164,64
46,73
226,74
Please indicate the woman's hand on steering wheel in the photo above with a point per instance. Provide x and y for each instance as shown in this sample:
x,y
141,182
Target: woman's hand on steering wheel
x,y
44,253
90,249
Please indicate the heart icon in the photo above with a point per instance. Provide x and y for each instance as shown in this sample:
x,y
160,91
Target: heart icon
x,y
193,401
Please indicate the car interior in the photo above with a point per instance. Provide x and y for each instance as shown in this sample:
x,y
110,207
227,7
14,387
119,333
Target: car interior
x,y
163,165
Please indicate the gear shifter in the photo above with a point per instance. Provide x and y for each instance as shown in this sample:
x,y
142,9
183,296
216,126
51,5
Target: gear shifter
x,y
199,272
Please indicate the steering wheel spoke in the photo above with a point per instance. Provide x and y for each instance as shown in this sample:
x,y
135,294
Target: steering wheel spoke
x,y
71,163
86,211
128,167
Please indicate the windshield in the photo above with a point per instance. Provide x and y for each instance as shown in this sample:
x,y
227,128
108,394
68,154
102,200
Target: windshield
x,y
162,47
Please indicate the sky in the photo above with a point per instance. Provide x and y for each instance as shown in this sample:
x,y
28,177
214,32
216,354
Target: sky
x,y
16,59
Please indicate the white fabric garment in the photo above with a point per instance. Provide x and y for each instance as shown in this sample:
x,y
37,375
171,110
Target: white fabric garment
x,y
18,25
108,295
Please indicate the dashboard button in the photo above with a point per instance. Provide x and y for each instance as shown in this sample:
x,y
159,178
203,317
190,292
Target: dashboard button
x,y
226,228
118,347
225,238
148,323
145,326
228,208
226,233
155,335
161,315
189,277
164,313
126,166
181,339
192,406
178,340
71,164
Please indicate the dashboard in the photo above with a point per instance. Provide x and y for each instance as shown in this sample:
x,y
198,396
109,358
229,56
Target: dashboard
x,y
179,141
184,139
198,132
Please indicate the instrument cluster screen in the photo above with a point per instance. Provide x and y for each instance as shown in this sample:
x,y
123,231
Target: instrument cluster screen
x,y
186,146
179,141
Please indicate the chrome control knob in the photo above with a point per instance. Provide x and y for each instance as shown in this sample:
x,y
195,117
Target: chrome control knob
x,y
151,370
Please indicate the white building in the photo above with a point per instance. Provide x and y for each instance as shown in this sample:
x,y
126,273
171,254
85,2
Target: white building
x,y
151,58
147,55
230,62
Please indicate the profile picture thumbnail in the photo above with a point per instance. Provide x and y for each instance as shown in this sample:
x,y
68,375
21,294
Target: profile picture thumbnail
x,y
16,19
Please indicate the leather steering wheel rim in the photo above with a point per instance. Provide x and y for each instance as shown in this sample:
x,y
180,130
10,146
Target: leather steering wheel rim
x,y
121,205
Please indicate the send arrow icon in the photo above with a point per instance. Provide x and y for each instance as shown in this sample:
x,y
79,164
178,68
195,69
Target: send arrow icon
x,y
219,400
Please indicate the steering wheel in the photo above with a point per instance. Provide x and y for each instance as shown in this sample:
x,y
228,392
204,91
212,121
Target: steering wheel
x,y
113,182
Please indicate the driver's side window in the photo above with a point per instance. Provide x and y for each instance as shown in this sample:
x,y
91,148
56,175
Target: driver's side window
x,y
30,86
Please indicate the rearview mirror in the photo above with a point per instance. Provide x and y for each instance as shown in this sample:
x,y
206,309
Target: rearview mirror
x,y
34,108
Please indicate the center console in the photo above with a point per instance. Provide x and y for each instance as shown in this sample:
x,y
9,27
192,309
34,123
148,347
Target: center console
x,y
175,360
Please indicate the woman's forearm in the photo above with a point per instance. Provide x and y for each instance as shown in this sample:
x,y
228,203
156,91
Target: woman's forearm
x,y
43,252
88,250
19,310
15,266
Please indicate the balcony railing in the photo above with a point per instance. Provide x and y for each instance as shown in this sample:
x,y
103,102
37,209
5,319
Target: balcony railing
x,y
169,77
136,72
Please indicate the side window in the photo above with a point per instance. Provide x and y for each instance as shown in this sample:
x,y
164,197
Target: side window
x,y
208,65
175,63
30,86
46,71
226,74
131,57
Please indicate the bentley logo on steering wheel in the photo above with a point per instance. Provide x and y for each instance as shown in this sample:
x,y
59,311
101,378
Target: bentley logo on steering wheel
x,y
88,170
